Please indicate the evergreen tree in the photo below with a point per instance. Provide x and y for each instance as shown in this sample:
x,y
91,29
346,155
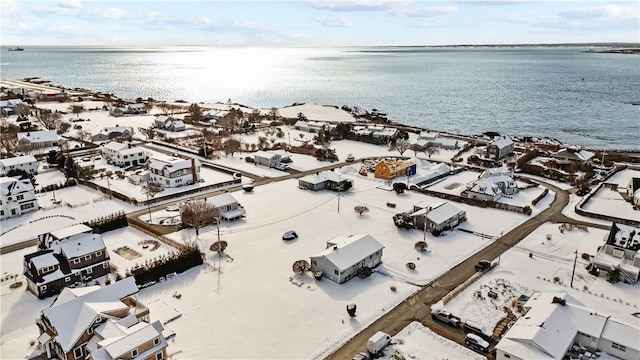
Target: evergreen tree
x,y
70,168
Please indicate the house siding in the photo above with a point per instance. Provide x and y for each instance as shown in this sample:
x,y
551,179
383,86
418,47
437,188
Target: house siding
x,y
607,346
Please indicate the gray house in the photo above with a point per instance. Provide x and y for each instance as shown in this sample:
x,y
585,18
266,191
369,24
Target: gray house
x,y
325,180
441,217
621,251
345,255
267,158
500,148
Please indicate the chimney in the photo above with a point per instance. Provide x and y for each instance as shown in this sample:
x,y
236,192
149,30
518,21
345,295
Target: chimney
x,y
335,248
557,300
194,175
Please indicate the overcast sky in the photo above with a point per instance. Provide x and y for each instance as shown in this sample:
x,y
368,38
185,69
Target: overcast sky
x,y
317,22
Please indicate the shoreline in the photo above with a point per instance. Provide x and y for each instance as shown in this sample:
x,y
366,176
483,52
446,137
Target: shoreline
x,y
37,84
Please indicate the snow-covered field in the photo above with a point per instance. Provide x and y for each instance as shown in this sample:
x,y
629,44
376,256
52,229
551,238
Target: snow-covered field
x,y
416,341
255,285
548,270
610,202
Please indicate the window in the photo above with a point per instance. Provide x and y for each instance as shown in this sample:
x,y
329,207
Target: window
x,y
335,272
156,341
20,197
105,265
89,270
619,347
159,356
134,352
1,212
77,352
67,279
99,253
26,206
87,257
43,287
507,356
76,261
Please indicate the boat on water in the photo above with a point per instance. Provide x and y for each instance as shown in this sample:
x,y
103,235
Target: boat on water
x,y
17,48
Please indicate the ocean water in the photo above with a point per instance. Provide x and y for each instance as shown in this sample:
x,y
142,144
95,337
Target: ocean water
x,y
558,92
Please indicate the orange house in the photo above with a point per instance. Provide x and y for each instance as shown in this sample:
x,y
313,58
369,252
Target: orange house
x,y
390,169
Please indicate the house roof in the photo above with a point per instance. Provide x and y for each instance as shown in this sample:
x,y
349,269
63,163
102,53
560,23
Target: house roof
x,y
70,230
9,184
17,160
574,153
349,250
121,129
79,245
622,334
322,177
428,135
72,317
39,136
502,142
44,260
222,200
265,154
115,146
485,186
439,213
159,162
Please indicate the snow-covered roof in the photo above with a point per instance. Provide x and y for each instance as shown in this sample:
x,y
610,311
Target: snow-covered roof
x,y
573,153
70,231
39,136
385,132
265,154
116,146
322,177
80,245
222,200
132,150
17,160
110,129
159,162
71,318
9,184
349,250
44,260
428,135
485,186
440,213
502,142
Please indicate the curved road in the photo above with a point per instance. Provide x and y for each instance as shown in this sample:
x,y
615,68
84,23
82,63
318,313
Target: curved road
x,y
418,306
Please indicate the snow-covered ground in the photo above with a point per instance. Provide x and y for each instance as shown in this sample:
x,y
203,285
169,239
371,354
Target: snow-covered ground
x,y
416,341
549,270
607,201
256,286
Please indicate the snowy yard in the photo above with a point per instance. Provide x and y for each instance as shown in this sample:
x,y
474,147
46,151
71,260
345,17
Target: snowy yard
x,y
549,270
610,202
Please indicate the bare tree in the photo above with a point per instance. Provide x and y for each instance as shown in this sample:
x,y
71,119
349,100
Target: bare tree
x,y
431,150
76,109
274,113
230,146
148,106
85,135
198,214
63,127
401,146
151,190
361,209
22,109
254,115
9,137
164,107
49,119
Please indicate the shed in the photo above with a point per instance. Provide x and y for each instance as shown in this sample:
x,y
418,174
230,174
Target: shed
x,y
345,255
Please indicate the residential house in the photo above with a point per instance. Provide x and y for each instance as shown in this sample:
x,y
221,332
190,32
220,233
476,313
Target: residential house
x,y
17,197
114,132
573,153
310,126
138,108
500,147
124,155
267,158
39,139
491,185
390,169
100,323
557,326
8,107
117,111
438,218
51,95
383,132
214,116
227,206
325,180
345,255
65,261
620,251
633,191
168,123
28,163
171,171
433,139
428,135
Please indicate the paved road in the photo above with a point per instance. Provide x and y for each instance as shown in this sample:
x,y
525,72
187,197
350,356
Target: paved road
x,y
418,306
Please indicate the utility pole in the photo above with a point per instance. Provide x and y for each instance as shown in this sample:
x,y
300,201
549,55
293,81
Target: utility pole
x,y
574,267
426,212
219,253
338,201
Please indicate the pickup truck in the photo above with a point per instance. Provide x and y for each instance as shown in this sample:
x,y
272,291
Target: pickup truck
x,y
446,317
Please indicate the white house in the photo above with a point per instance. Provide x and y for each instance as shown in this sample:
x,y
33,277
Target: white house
x,y
27,163
39,139
227,206
439,217
345,255
492,185
172,171
573,153
633,191
557,326
8,106
138,108
97,323
500,148
168,123
325,180
267,158
16,197
124,155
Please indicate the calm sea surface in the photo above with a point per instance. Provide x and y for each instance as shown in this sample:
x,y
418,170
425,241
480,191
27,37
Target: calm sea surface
x,y
560,92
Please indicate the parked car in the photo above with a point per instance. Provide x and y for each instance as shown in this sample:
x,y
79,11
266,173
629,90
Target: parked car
x,y
350,158
175,207
475,328
289,235
483,265
361,356
445,317
282,167
378,342
286,160
474,341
